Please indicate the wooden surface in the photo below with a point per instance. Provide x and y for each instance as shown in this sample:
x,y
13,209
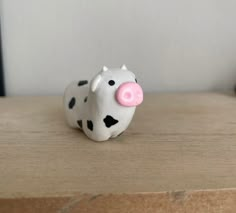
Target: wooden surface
x,y
220,201
175,142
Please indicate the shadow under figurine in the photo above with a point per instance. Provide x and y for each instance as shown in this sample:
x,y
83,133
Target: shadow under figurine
x,y
104,107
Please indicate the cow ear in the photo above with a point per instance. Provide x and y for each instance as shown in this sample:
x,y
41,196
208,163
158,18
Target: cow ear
x,y
104,69
123,67
95,82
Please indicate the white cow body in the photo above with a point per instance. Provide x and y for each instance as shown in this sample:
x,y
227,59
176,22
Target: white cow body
x,y
95,107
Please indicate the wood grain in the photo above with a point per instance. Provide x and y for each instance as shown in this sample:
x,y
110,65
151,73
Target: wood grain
x,y
216,201
175,142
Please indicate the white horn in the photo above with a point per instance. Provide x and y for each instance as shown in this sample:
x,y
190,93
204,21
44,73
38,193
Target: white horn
x,y
104,69
123,67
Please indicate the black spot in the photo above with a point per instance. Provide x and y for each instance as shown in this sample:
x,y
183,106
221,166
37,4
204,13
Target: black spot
x,y
111,82
80,123
85,99
110,121
72,103
136,80
83,82
90,125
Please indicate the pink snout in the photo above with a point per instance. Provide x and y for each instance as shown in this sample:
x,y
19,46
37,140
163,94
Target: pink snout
x,y
129,94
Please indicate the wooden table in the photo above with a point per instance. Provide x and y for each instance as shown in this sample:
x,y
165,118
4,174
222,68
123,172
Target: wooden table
x,y
178,155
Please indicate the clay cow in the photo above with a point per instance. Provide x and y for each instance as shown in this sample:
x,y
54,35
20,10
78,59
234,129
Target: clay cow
x,y
104,107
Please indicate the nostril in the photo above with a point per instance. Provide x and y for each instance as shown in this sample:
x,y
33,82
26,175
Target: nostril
x,y
127,95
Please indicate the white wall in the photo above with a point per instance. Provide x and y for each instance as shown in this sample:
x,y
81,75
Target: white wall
x,y
170,45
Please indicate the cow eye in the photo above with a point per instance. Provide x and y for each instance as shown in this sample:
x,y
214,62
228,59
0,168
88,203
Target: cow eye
x,y
111,82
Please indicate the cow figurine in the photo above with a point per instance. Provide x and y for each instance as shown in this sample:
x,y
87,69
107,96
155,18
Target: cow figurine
x,y
104,107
